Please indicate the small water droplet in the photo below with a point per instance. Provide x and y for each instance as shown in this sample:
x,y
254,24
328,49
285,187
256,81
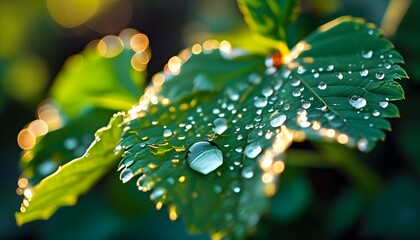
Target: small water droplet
x,y
367,54
167,133
387,65
260,102
380,75
286,106
238,149
383,104
362,144
254,78
339,75
295,82
316,75
267,91
301,70
296,93
158,194
364,72
126,174
376,113
204,157
277,119
220,125
252,150
306,104
357,101
330,67
247,172
322,86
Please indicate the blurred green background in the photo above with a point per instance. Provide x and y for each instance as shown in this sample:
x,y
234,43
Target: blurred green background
x,y
319,198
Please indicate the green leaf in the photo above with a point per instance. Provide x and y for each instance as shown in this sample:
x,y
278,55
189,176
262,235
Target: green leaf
x,y
63,187
227,200
60,146
269,18
213,109
342,78
90,80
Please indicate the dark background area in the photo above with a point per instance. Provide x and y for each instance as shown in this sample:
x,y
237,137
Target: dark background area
x,y
33,48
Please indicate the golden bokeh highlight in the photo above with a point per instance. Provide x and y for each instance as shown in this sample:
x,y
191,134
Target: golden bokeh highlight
x,y
110,46
174,64
139,42
342,138
173,215
26,139
278,167
139,61
23,182
72,13
38,127
182,179
50,115
126,35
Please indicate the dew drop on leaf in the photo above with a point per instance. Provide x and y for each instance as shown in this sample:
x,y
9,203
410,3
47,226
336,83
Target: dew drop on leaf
x,y
362,144
322,86
277,119
260,102
380,75
339,75
252,150
375,113
364,72
357,102
167,133
306,104
267,91
126,174
158,194
204,157
254,78
296,93
301,70
295,82
220,125
383,104
367,54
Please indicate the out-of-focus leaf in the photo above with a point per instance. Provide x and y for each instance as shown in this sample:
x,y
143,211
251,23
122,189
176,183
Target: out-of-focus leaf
x,y
90,80
63,187
240,111
269,18
60,146
293,197
346,209
395,214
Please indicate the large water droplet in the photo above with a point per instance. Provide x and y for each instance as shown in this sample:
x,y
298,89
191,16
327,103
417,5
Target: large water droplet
x,y
220,125
167,133
367,54
322,86
277,119
380,75
126,174
357,102
204,157
252,150
260,102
